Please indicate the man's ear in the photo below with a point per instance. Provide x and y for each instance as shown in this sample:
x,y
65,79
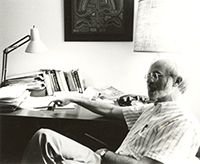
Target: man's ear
x,y
178,81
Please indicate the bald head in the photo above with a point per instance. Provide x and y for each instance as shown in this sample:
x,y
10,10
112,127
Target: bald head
x,y
175,71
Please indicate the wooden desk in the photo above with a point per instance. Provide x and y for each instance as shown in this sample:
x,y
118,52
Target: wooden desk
x,y
83,126
76,113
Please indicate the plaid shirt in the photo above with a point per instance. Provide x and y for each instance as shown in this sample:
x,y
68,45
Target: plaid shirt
x,y
166,132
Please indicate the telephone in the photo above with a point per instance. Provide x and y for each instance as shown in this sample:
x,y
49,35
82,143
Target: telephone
x,y
127,99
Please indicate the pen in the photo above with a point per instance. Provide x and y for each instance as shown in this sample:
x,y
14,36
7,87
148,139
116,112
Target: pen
x,y
144,127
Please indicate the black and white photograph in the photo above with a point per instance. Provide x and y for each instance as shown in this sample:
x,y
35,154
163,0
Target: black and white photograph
x,y
99,82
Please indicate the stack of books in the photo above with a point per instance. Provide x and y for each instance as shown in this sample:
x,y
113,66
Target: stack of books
x,y
53,80
58,80
11,97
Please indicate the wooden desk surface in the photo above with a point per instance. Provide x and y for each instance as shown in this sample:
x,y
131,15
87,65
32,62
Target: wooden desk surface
x,y
76,113
72,111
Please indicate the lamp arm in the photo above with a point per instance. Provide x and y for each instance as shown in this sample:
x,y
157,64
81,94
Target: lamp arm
x,y
17,44
9,49
4,68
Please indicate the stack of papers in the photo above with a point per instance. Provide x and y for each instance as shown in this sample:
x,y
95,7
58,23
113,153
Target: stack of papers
x,y
42,103
11,97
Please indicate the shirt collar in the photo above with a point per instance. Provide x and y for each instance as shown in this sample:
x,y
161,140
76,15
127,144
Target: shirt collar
x,y
174,105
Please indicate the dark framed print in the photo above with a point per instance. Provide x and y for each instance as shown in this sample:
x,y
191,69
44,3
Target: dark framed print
x,y
98,20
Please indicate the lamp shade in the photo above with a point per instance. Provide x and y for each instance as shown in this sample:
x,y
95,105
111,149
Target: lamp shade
x,y
159,26
35,45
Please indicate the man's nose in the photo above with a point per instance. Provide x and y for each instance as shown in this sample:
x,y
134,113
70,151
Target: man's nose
x,y
150,80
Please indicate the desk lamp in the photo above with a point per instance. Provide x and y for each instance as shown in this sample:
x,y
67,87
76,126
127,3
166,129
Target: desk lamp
x,y
35,46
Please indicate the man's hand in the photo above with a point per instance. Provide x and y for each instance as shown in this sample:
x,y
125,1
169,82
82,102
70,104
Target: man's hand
x,y
65,97
102,152
112,158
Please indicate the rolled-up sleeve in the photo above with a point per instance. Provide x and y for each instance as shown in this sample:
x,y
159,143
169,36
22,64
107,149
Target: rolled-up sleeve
x,y
132,114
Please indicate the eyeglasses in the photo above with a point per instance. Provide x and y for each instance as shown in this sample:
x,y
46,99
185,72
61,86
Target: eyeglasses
x,y
153,76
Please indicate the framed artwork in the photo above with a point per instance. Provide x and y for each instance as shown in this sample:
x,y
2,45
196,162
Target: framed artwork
x,y
98,20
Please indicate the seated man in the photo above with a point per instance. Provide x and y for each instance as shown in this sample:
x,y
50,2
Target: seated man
x,y
164,131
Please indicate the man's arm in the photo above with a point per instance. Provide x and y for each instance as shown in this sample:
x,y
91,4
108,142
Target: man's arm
x,y
99,107
113,158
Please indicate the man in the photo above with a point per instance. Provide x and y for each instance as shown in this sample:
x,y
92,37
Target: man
x,y
160,132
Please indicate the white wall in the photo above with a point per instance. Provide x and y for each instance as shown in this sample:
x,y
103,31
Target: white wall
x,y
103,63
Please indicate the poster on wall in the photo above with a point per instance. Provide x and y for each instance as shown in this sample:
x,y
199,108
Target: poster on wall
x,y
157,29
98,20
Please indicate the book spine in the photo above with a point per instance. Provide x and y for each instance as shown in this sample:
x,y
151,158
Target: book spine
x,y
51,80
70,81
69,85
63,80
55,81
59,80
74,80
48,83
76,74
